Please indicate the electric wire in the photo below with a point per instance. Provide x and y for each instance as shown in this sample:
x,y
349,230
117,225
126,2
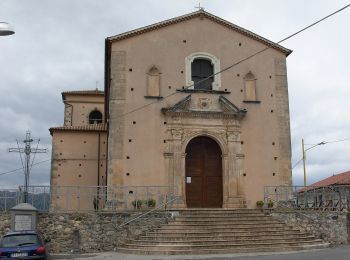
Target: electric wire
x,y
325,142
3,173
219,72
297,163
20,154
37,144
235,64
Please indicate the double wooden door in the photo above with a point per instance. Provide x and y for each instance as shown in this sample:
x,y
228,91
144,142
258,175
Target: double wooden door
x,y
203,173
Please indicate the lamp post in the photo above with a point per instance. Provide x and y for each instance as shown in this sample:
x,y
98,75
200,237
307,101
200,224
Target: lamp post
x,y
304,156
6,29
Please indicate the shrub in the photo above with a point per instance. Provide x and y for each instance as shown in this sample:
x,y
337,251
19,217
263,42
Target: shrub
x,y
259,203
151,203
270,204
136,204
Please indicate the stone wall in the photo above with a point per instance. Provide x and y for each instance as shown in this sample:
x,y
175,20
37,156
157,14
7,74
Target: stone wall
x,y
89,232
5,223
333,227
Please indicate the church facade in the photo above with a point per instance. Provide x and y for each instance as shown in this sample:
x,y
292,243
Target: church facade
x,y
199,105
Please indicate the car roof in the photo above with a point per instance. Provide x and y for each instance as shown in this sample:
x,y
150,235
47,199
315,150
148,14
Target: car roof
x,y
24,232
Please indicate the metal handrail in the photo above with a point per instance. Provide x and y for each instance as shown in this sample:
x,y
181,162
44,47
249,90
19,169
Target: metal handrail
x,y
148,212
291,208
333,197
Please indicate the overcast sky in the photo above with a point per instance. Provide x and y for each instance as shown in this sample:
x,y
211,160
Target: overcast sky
x,y
59,46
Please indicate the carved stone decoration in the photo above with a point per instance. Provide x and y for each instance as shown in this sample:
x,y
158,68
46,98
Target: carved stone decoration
x,y
221,124
183,109
177,134
204,103
233,136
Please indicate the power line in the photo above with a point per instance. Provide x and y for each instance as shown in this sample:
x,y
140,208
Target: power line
x,y
336,141
3,173
297,163
237,63
325,142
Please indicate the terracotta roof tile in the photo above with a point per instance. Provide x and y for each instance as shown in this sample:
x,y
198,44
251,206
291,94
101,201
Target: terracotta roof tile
x,y
200,13
83,92
337,179
81,128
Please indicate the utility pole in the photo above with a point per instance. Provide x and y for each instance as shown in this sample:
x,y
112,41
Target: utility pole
x,y
304,160
304,155
27,150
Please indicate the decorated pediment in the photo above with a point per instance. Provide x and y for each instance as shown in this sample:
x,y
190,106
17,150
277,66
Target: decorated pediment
x,y
205,106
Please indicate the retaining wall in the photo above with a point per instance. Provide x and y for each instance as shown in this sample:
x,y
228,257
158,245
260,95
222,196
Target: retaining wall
x,y
333,227
88,232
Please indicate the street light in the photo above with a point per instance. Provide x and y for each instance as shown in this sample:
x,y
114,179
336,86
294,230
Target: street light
x,y
304,156
6,29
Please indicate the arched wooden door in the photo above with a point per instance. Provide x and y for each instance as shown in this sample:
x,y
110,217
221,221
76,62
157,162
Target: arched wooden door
x,y
203,173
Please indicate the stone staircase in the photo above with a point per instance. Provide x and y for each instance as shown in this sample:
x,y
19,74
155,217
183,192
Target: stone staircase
x,y
215,231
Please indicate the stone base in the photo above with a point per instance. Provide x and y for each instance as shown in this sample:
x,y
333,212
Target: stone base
x,y
237,202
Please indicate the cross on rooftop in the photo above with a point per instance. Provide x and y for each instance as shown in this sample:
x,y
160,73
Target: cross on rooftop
x,y
199,7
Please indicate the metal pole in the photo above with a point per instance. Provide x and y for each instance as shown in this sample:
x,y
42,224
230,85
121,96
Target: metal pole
x,y
304,160
27,151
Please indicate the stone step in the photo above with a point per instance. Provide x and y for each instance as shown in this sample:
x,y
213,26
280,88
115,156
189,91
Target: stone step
x,y
220,230
201,231
214,241
204,210
231,237
197,222
220,217
219,213
221,245
215,233
231,226
151,251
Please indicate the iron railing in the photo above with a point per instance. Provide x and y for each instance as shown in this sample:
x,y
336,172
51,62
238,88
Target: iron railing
x,y
327,198
88,198
8,199
144,216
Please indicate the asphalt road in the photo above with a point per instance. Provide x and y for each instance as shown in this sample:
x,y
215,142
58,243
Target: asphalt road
x,y
337,253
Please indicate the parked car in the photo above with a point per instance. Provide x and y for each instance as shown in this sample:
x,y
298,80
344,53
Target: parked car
x,y
23,245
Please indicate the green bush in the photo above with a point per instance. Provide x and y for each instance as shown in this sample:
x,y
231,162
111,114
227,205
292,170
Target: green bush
x,y
259,203
136,204
151,203
270,204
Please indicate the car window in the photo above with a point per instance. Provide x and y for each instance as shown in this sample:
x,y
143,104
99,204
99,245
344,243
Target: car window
x,y
20,240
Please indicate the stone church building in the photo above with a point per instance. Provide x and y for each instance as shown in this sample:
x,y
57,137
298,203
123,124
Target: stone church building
x,y
194,103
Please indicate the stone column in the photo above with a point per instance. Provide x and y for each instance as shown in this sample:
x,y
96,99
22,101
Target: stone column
x,y
235,165
115,172
178,165
232,137
282,108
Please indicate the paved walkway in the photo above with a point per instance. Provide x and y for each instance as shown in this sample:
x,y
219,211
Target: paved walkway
x,y
338,253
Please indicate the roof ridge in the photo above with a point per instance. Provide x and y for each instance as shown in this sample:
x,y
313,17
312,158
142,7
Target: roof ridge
x,y
88,127
189,16
83,91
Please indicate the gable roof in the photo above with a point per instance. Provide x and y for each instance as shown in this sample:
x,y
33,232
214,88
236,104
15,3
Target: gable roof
x,y
200,13
337,179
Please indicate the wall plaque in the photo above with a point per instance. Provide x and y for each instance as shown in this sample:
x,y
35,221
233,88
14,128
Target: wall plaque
x,y
23,222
